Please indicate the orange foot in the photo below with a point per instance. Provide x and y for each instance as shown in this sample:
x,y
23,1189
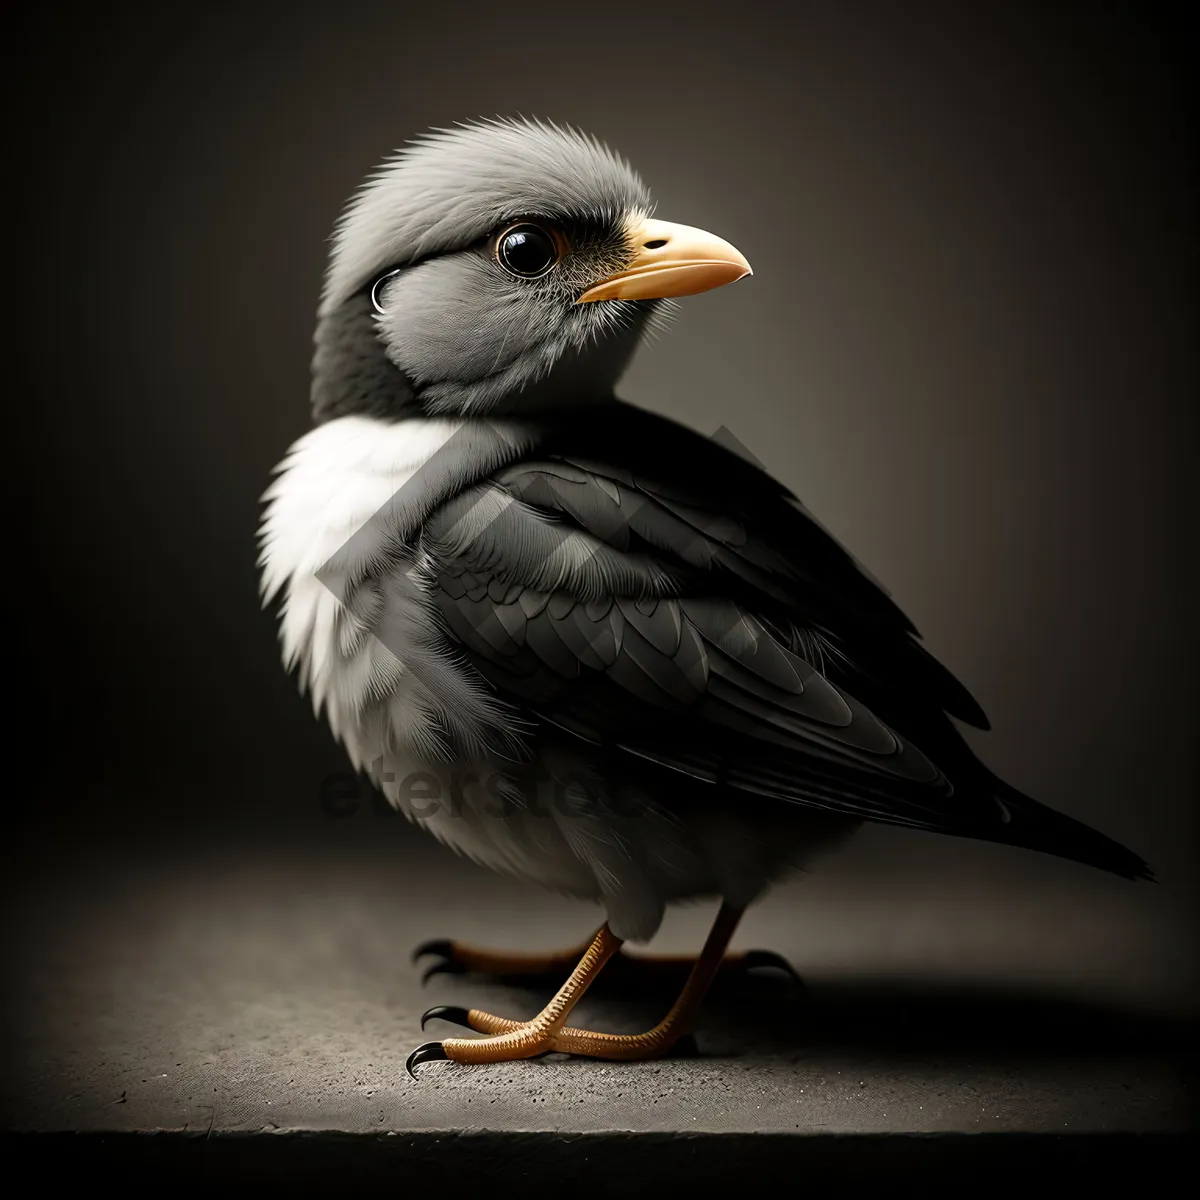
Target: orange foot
x,y
506,1041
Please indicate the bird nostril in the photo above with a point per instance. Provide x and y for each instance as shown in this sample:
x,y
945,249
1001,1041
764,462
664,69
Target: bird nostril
x,y
656,244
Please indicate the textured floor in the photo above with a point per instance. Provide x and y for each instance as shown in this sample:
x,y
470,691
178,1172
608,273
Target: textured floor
x,y
241,983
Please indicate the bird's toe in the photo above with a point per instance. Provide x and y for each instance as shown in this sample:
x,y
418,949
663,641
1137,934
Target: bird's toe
x,y
447,1012
429,1052
442,947
443,968
449,962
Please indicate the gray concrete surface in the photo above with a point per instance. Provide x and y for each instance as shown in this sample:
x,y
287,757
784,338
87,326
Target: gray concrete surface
x,y
246,980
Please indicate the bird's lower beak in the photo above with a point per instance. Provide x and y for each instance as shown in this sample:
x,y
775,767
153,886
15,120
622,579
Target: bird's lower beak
x,y
671,260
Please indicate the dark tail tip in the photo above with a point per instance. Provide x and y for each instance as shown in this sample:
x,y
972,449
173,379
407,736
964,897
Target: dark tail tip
x,y
1093,849
1104,855
1037,827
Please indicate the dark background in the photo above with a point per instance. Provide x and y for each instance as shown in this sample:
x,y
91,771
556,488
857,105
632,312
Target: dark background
x,y
968,346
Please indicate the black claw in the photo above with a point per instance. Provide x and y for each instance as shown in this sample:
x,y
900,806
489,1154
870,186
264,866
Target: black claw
x,y
756,959
430,1052
443,968
446,1012
441,946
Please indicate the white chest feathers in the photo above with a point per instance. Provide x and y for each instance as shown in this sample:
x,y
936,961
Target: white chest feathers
x,y
330,484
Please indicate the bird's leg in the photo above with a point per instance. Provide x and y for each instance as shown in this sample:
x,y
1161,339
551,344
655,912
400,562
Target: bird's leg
x,y
529,1038
655,1043
455,958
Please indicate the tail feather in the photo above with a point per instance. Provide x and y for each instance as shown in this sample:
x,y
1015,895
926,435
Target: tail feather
x,y
1034,826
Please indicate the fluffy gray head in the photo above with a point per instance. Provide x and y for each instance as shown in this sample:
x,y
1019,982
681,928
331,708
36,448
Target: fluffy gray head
x,y
452,328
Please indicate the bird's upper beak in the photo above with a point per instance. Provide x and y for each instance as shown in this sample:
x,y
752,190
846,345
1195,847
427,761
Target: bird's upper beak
x,y
671,260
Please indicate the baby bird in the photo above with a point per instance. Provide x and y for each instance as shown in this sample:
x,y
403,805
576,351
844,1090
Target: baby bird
x,y
575,641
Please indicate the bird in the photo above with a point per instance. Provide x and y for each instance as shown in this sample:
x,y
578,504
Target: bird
x,y
577,642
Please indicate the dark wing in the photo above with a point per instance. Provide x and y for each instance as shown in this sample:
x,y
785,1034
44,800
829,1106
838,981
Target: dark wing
x,y
690,612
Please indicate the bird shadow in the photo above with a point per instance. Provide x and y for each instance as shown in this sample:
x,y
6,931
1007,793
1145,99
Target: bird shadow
x,y
769,1013
898,1018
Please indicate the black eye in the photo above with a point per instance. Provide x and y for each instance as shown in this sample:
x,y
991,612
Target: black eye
x,y
527,250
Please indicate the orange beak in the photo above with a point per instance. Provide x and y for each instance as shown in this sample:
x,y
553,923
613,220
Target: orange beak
x,y
671,260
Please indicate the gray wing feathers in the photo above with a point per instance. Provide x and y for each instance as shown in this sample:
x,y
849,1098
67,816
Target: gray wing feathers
x,y
734,644
554,626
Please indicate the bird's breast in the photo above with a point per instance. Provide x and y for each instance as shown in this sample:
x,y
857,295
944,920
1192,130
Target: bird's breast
x,y
332,484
